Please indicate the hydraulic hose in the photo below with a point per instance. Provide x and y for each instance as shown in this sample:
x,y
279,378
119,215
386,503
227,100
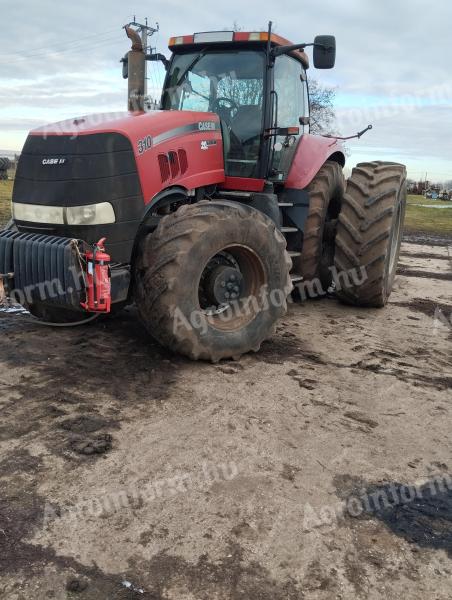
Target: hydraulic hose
x,y
76,324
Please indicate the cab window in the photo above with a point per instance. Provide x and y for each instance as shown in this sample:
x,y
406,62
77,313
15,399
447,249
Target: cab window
x,y
291,102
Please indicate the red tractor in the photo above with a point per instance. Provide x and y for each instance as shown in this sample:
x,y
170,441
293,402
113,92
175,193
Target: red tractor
x,y
212,208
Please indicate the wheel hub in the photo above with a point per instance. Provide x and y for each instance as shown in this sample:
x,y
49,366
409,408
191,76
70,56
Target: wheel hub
x,y
224,284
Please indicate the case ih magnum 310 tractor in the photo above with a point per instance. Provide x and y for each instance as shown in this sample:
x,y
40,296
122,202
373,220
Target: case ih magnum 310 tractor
x,y
207,212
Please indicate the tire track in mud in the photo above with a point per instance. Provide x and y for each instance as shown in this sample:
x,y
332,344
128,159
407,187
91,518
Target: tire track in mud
x,y
405,271
287,347
94,374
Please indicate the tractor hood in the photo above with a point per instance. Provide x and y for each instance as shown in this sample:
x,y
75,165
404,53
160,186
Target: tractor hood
x,y
164,147
122,161
136,126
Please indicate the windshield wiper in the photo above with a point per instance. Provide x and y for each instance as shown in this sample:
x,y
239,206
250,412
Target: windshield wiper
x,y
188,86
190,66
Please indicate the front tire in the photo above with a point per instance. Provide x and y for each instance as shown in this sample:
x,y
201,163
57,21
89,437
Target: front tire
x,y
369,233
186,268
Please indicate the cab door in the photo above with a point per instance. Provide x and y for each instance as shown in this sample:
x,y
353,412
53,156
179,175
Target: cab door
x,y
291,107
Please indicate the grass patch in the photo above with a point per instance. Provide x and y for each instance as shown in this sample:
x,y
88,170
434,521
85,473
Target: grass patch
x,y
420,219
6,191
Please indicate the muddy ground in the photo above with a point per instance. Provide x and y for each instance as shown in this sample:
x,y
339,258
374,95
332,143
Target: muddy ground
x,y
317,469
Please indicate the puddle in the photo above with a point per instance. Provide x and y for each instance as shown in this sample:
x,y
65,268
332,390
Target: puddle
x,y
430,206
13,309
421,514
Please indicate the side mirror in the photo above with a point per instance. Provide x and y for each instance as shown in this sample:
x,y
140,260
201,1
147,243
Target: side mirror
x,y
324,52
125,67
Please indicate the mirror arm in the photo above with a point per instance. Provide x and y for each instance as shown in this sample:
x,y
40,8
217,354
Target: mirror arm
x,y
158,57
279,50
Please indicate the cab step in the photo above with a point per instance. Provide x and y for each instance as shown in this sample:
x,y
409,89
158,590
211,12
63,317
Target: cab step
x,y
296,278
234,194
289,230
285,204
293,254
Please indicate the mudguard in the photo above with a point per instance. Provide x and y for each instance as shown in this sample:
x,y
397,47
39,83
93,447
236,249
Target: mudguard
x,y
312,152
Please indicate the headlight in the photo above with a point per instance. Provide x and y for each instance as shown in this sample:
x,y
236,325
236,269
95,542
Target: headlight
x,y
93,214
38,214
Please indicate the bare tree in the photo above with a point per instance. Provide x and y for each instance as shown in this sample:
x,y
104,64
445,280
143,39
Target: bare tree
x,y
323,117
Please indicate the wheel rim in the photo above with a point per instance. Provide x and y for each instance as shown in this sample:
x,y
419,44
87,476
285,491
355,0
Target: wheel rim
x,y
231,286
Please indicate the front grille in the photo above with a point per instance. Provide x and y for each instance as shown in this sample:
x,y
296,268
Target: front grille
x,y
43,269
164,167
75,171
172,164
183,161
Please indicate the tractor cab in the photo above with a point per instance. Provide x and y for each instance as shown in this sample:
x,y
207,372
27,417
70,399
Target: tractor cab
x,y
256,83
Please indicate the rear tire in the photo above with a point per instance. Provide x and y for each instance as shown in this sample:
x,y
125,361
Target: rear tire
x,y
183,261
325,198
369,232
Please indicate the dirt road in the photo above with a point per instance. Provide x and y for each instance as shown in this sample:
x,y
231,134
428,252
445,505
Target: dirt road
x,y
316,469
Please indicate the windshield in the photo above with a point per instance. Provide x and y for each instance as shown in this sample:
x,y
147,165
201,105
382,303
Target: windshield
x,y
229,83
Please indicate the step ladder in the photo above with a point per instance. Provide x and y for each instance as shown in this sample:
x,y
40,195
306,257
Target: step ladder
x,y
287,231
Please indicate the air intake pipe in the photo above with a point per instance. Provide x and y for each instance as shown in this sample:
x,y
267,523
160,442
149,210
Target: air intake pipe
x,y
136,72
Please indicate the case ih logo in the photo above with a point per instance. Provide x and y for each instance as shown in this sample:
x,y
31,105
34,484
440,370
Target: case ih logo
x,y
205,145
54,161
207,126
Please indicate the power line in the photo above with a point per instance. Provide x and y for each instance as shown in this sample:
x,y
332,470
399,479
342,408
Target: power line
x,y
79,49
63,46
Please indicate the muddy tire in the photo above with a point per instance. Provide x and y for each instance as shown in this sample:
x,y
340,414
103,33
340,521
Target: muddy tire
x,y
369,233
186,267
325,198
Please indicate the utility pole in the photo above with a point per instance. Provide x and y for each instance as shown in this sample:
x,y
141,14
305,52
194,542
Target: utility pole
x,y
146,32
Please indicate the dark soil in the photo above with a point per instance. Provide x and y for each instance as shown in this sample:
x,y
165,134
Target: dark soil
x,y
407,272
426,239
426,307
425,255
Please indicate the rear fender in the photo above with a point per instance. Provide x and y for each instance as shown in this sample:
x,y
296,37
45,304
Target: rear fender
x,y
312,152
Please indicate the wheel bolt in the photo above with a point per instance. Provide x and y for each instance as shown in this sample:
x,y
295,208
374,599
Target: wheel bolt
x,y
230,286
227,295
236,289
232,278
234,296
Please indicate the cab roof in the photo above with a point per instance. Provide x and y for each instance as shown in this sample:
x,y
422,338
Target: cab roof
x,y
222,38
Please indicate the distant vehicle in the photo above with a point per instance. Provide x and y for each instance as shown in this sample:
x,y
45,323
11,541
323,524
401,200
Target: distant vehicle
x,y
432,194
445,195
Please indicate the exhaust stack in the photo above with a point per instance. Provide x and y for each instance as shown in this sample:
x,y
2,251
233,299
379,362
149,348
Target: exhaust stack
x,y
137,72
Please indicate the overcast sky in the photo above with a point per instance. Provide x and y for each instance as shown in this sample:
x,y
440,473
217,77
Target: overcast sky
x,y
60,60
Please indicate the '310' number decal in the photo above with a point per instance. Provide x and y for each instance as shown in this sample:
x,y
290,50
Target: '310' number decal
x,y
145,144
